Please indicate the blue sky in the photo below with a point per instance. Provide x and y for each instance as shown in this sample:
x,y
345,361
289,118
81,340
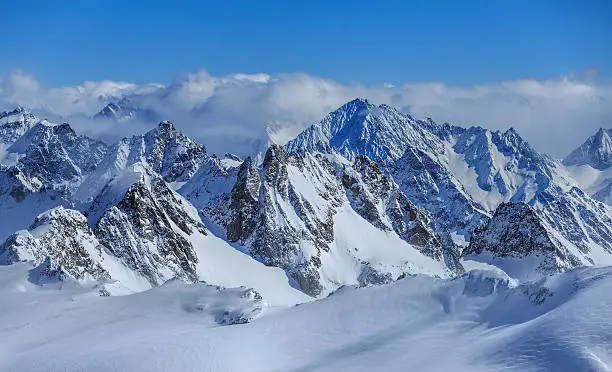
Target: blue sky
x,y
67,42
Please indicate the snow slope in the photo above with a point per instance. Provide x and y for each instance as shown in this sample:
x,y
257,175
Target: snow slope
x,y
595,182
482,321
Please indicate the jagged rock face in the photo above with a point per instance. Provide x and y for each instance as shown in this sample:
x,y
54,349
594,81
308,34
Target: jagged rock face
x,y
379,200
60,244
244,202
42,156
14,123
428,184
584,222
55,154
514,229
311,208
274,221
17,184
370,276
284,215
498,158
209,189
172,154
45,164
517,231
274,232
147,230
169,152
596,151
413,150
24,197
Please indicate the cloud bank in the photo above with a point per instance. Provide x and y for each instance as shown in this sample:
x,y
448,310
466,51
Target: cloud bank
x,y
241,113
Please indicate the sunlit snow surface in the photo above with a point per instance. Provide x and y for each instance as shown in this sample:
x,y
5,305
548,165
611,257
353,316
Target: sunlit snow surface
x,y
481,321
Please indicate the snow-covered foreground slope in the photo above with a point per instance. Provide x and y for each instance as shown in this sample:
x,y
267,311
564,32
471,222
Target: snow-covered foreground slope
x,y
480,321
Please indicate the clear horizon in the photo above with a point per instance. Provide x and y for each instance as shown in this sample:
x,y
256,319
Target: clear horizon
x,y
456,43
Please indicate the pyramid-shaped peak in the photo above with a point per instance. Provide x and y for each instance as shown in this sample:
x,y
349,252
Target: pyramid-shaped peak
x,y
596,151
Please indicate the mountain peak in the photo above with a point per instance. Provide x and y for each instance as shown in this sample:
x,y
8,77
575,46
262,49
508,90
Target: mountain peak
x,y
17,110
127,109
15,114
359,101
166,126
596,151
358,106
359,128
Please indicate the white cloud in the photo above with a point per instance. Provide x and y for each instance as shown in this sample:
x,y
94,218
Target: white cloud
x,y
241,112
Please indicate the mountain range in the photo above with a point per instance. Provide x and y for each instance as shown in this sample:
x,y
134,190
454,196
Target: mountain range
x,y
365,197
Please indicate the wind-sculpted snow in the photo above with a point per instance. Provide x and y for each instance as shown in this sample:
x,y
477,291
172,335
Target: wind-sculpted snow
x,y
482,321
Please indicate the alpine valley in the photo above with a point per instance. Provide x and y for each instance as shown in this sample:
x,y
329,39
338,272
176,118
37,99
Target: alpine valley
x,y
370,241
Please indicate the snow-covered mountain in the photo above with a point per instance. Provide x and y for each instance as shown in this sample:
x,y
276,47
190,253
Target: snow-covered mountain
x,y
415,190
131,213
168,151
126,110
42,165
596,151
361,128
137,234
477,223
589,164
14,124
298,213
525,245
461,175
